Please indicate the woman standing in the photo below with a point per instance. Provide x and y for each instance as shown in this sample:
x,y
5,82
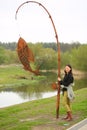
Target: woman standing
x,y
65,84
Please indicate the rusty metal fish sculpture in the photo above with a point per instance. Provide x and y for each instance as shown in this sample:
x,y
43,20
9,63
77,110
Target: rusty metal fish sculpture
x,y
25,55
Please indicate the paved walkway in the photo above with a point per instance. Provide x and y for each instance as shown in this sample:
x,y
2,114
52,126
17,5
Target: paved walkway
x,y
82,125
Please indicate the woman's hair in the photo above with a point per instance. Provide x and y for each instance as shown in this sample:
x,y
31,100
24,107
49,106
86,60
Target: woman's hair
x,y
69,67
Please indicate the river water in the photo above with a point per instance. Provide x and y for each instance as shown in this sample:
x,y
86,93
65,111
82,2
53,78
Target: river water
x,y
17,95
8,98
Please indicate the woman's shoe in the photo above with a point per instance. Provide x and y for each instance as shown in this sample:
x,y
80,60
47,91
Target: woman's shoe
x,y
65,118
69,116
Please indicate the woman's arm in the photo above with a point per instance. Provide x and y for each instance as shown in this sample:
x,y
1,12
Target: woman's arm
x,y
67,80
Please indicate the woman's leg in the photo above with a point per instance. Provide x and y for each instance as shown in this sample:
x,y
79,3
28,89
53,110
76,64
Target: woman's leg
x,y
66,103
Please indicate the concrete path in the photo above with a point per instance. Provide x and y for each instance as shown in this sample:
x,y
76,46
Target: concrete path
x,y
82,125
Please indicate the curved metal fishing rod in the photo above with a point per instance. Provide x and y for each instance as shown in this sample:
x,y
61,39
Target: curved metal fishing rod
x,y
58,45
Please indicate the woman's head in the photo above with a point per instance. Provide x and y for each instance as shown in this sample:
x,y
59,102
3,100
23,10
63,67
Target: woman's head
x,y
68,68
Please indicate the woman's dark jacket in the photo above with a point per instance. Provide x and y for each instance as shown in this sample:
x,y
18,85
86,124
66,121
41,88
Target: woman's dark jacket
x,y
67,80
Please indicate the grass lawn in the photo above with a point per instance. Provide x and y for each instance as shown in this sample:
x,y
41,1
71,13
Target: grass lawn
x,y
41,114
15,76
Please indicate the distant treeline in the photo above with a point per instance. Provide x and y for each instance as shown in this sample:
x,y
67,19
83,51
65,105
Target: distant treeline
x,y
63,46
46,56
10,46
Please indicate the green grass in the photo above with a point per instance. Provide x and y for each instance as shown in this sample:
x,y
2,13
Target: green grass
x,y
41,113
15,76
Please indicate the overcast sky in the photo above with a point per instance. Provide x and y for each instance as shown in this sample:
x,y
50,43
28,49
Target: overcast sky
x,y
34,25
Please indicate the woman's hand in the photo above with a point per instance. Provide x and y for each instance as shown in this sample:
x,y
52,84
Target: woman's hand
x,y
59,79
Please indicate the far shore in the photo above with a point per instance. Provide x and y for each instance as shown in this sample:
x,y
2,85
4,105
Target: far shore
x,y
78,74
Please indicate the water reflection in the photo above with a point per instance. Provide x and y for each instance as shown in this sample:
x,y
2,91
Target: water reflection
x,y
17,95
11,98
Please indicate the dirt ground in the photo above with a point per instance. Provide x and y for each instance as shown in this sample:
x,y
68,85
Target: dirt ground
x,y
54,124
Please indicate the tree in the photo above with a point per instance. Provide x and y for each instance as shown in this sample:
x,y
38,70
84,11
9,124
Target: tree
x,y
79,57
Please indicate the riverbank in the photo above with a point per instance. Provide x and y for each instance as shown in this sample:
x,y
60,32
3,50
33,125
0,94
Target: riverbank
x,y
15,76
41,114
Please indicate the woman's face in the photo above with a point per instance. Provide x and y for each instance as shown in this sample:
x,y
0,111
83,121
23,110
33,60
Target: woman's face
x,y
67,69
